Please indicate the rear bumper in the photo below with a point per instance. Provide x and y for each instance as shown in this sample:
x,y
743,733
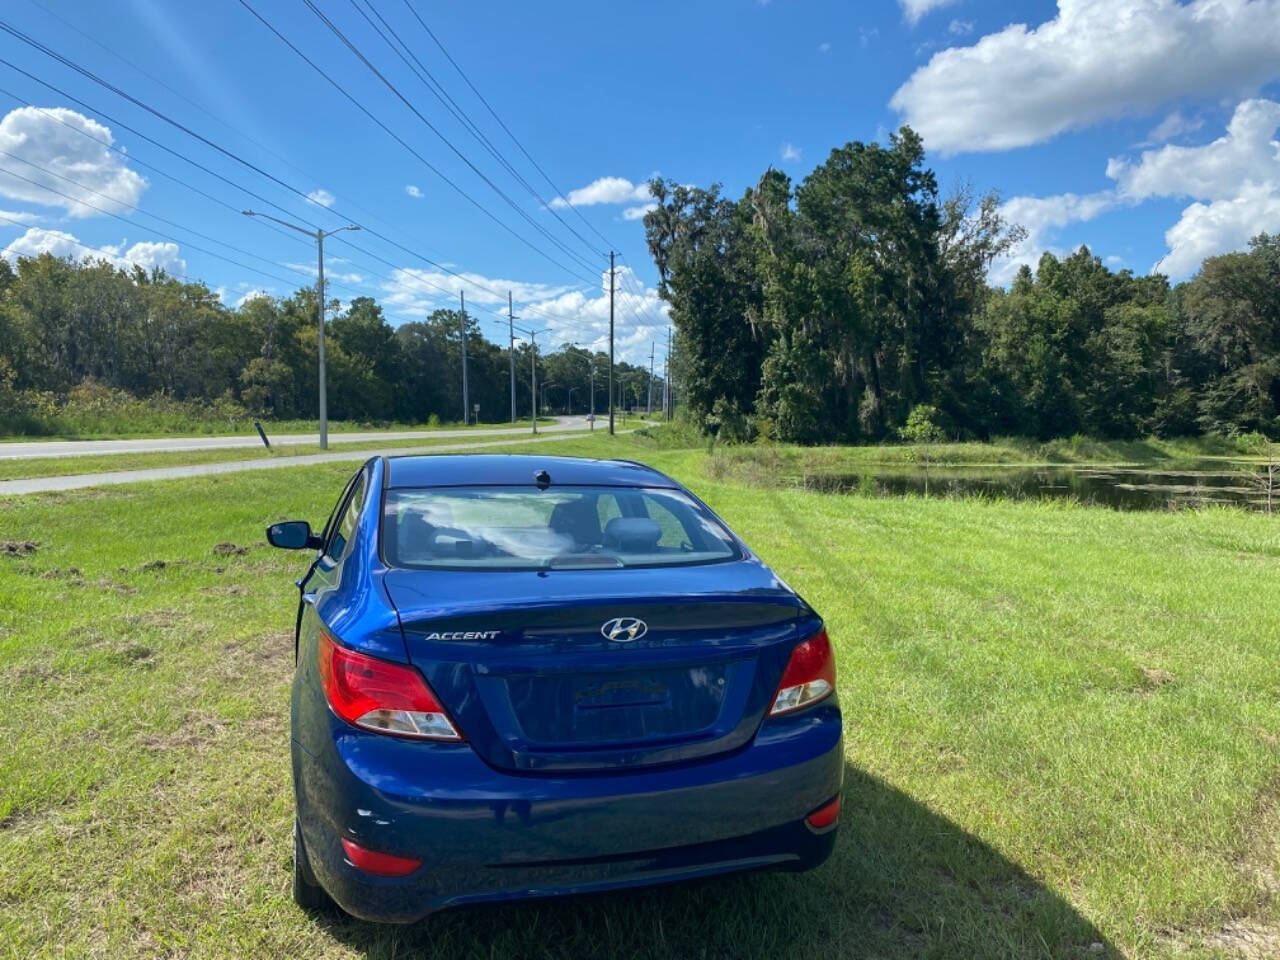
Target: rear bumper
x,y
490,836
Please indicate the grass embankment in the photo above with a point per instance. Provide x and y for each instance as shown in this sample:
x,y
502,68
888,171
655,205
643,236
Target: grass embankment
x,y
1008,451
1062,729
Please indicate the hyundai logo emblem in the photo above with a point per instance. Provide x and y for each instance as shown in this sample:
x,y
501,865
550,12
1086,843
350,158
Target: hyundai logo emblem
x,y
624,629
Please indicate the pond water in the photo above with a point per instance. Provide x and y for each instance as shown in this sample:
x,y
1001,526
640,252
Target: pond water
x,y
1169,486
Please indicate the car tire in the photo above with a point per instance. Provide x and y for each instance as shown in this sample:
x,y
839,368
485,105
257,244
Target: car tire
x,y
307,894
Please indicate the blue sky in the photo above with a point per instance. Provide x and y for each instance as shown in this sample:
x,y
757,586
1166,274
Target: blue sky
x,y
1145,128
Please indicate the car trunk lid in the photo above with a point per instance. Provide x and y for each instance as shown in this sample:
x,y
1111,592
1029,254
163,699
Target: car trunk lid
x,y
525,667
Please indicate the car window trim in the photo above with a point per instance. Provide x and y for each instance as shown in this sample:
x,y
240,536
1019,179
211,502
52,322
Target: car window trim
x,y
360,475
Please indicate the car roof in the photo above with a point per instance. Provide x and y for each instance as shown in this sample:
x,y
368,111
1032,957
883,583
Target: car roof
x,y
519,470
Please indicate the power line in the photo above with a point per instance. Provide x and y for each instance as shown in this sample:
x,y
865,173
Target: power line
x,y
560,318
433,84
400,140
159,114
100,253
132,158
130,206
157,233
350,45
151,140
559,193
218,176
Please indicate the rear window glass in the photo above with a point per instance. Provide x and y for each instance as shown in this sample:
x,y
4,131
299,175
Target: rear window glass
x,y
557,528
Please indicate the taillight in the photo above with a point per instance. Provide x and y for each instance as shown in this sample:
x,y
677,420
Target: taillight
x,y
380,695
379,864
810,675
824,817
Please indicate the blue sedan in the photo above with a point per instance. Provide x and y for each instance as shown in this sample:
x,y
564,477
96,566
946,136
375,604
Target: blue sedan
x,y
526,676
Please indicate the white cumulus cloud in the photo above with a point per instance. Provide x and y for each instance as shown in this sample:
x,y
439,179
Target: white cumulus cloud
x,y
413,191
16,217
321,197
1174,125
1097,59
605,190
790,153
1042,216
47,139
147,255
914,10
637,213
1233,181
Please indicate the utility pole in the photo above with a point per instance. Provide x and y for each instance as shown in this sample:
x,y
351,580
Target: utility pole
x,y
666,379
466,406
533,375
648,407
319,236
610,343
511,333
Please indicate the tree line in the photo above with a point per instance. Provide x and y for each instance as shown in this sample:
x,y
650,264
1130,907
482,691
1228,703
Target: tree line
x,y
65,323
855,306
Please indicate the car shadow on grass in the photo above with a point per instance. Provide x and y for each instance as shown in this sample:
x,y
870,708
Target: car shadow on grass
x,y
903,882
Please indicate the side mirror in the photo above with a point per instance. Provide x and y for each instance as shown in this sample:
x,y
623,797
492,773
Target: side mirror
x,y
293,535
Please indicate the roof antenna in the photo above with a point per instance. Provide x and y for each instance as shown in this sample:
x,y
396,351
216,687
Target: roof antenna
x,y
542,479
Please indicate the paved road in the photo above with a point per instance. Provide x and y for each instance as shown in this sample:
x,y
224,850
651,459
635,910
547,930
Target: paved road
x,y
79,481
30,450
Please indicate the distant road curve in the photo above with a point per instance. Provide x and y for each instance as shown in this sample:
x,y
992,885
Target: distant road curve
x,y
31,450
82,480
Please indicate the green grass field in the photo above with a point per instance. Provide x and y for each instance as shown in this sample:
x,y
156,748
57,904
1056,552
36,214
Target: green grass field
x,y
1062,734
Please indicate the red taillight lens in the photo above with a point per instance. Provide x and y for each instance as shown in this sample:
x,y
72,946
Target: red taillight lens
x,y
379,864
824,817
810,675
380,695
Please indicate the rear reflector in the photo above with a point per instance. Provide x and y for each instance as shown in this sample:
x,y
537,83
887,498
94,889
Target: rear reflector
x,y
380,695
824,817
810,675
379,864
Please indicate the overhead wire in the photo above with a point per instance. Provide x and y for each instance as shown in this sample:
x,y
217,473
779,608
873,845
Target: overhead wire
x,y
493,113
433,84
359,54
560,319
395,136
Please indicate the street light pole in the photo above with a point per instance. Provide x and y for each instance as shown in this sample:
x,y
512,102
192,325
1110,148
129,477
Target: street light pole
x,y
533,374
511,334
611,343
319,236
466,403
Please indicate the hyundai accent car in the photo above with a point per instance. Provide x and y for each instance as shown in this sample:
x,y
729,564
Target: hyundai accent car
x,y
527,676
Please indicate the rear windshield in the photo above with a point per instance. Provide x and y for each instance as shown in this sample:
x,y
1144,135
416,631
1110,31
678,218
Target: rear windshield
x,y
564,527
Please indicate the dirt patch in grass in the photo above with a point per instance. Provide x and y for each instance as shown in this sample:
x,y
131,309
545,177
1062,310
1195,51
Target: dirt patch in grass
x,y
1247,940
1154,677
35,674
162,619
229,550
72,575
18,548
228,590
